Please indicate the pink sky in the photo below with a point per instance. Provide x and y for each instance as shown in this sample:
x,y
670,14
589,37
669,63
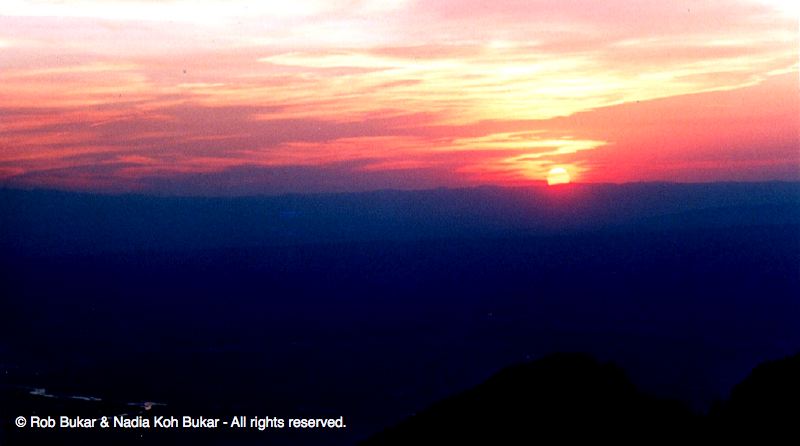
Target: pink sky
x,y
310,95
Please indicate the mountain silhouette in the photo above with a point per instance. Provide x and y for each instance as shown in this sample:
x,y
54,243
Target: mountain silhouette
x,y
566,396
765,403
572,397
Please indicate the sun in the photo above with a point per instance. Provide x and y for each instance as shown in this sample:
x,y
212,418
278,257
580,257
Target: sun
x,y
557,175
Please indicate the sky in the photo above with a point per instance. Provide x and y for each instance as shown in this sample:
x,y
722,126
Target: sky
x,y
233,97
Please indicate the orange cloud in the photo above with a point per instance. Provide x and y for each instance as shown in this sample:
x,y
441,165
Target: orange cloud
x,y
444,92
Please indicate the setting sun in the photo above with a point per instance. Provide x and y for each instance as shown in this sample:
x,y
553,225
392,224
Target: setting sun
x,y
557,175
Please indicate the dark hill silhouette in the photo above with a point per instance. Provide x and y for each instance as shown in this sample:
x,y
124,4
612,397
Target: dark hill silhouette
x,y
566,396
572,397
767,399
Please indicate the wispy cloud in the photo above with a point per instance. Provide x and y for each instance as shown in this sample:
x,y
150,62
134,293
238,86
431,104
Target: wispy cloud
x,y
475,91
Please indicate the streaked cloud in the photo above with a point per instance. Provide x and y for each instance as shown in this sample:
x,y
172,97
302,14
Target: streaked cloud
x,y
474,91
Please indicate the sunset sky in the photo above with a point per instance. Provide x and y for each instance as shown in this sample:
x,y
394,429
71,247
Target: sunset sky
x,y
219,97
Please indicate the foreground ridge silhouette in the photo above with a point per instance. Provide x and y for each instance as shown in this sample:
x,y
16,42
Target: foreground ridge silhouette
x,y
571,396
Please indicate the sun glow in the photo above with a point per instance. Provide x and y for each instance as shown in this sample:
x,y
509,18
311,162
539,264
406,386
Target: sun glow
x,y
557,175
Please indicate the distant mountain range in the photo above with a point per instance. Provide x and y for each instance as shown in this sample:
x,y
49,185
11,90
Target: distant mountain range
x,y
53,221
